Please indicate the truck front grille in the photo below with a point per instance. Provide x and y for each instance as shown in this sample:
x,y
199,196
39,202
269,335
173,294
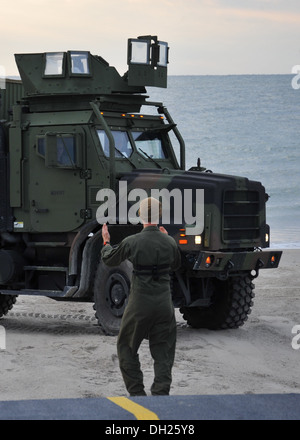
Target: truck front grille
x,y
241,216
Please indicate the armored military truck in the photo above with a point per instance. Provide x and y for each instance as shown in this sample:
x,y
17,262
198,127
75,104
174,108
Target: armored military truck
x,y
73,127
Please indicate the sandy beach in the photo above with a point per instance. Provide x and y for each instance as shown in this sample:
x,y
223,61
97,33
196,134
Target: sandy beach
x,y
56,349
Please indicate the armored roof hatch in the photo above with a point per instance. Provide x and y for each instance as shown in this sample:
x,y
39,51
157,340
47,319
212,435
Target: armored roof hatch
x,y
147,60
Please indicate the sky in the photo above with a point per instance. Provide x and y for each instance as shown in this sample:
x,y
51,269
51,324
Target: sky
x,y
206,37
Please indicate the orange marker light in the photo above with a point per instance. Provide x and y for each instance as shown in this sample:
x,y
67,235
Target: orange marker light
x,y
182,234
208,261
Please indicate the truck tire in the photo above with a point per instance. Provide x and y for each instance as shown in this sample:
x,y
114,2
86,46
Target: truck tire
x,y
111,291
6,303
232,300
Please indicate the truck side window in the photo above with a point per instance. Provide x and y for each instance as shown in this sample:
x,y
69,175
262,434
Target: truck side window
x,y
60,153
41,146
149,143
122,143
66,151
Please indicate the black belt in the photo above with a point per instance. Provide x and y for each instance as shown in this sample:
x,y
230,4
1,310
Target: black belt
x,y
155,270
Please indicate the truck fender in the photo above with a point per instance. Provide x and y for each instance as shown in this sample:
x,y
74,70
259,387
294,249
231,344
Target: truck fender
x,y
81,237
89,263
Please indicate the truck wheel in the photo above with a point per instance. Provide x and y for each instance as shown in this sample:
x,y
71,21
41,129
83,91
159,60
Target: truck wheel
x,y
111,291
231,304
6,303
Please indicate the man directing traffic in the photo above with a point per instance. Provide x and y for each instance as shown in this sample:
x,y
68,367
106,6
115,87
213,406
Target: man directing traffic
x,y
149,312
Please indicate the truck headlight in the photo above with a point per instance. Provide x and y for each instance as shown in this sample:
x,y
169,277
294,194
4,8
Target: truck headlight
x,y
198,239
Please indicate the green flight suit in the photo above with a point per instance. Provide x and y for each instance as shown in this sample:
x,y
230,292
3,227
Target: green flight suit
x,y
149,312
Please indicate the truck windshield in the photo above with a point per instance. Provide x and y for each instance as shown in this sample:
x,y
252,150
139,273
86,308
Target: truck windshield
x,y
122,143
149,142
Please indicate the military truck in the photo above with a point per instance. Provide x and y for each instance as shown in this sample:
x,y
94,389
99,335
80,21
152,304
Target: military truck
x,y
73,126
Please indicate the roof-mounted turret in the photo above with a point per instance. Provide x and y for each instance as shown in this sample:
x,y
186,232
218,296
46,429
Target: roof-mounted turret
x,y
148,59
81,73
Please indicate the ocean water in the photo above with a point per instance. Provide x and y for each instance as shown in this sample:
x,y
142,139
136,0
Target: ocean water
x,y
246,125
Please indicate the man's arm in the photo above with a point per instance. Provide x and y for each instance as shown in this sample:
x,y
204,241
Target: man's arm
x,y
113,256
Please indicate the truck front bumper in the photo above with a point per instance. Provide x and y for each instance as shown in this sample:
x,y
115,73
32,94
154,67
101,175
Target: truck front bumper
x,y
225,262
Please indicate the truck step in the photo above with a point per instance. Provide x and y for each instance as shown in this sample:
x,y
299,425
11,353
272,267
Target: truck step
x,y
47,268
68,292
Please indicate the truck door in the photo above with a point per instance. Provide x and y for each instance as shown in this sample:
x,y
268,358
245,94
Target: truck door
x,y
57,190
